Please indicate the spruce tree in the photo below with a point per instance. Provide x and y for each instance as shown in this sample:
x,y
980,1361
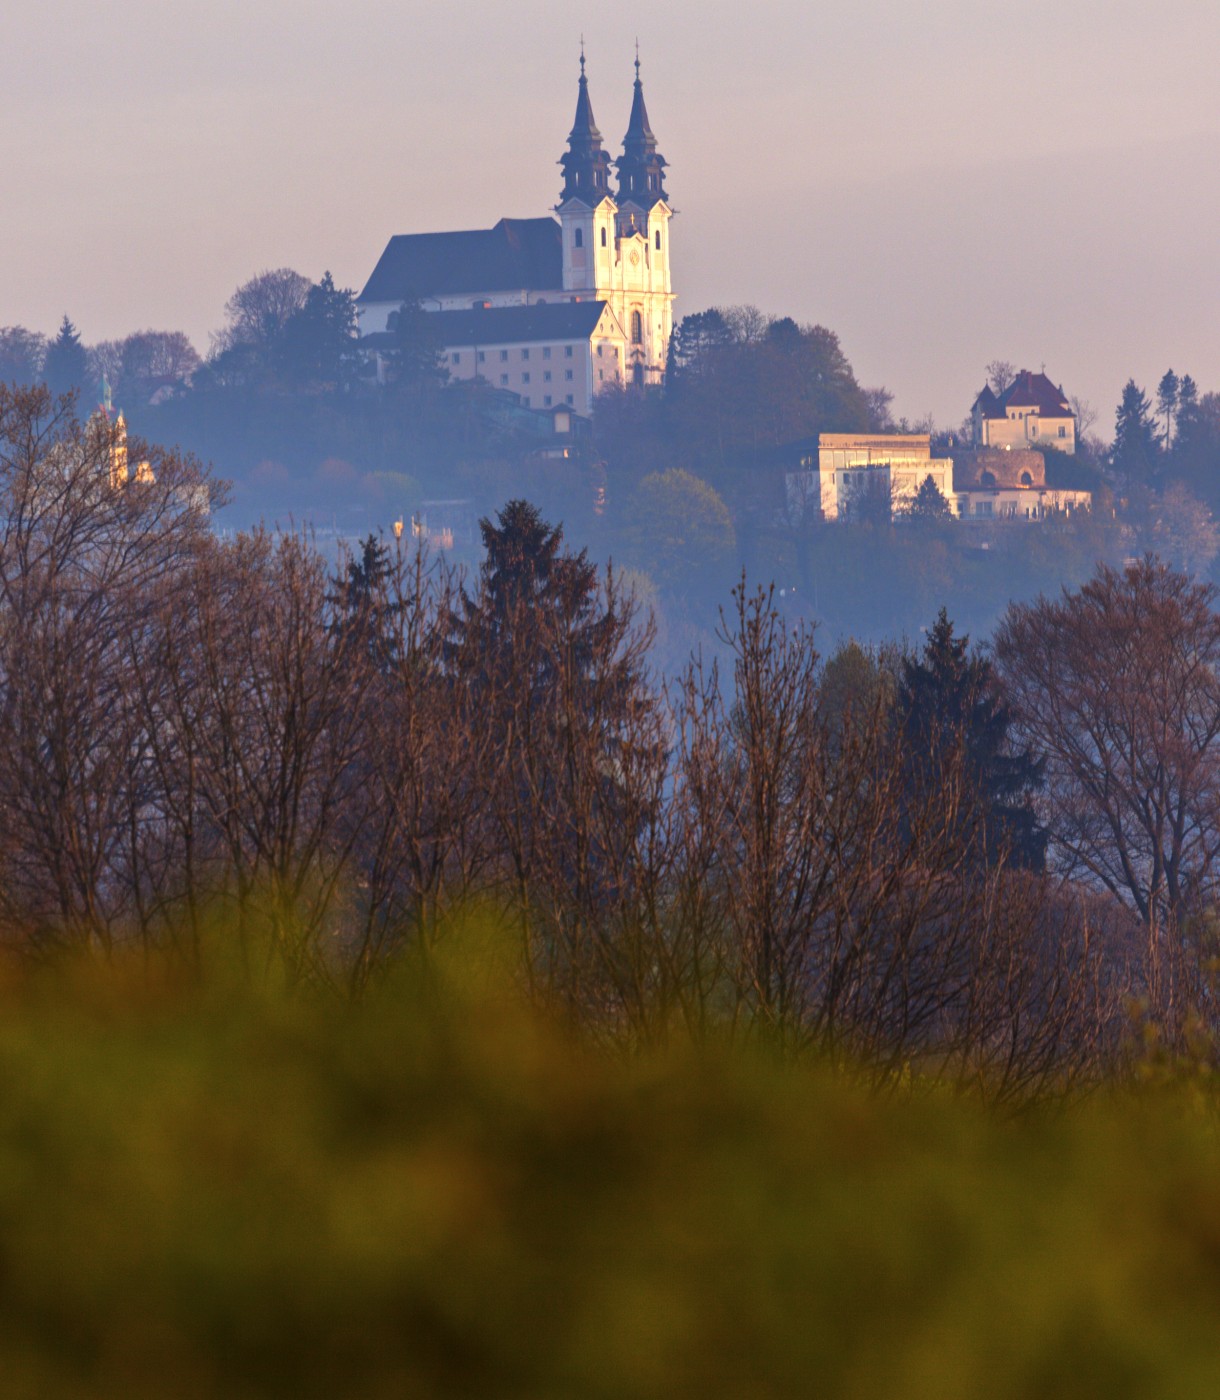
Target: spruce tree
x,y
1135,448
929,505
1167,394
67,364
952,718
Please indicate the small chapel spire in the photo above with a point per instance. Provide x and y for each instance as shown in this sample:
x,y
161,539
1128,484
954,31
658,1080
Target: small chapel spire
x,y
641,167
586,166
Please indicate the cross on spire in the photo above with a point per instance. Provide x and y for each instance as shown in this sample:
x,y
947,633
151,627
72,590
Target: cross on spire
x,y
641,167
586,166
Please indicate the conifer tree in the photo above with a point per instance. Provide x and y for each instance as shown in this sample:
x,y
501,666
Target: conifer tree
x,y
1167,394
929,504
1188,420
365,612
1134,451
417,359
952,718
67,364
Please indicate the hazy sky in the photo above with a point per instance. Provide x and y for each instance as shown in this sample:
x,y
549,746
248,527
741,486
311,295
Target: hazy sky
x,y
942,182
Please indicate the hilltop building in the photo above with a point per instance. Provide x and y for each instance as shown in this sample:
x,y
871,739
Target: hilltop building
x,y
553,309
1002,483
842,475
1030,412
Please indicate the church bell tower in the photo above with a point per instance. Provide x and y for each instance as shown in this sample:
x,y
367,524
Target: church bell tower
x,y
586,208
617,250
643,237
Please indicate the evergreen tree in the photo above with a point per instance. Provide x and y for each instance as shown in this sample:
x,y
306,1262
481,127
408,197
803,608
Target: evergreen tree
x,y
950,713
365,614
531,594
694,345
1135,449
317,343
1167,394
417,362
1188,417
929,505
548,661
67,363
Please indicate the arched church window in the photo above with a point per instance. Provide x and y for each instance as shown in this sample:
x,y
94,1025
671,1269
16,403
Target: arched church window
x,y
658,240
603,238
637,328
1026,479
579,240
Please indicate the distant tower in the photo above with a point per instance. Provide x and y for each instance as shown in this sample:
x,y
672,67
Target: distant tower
x,y
641,167
618,252
586,209
643,228
118,453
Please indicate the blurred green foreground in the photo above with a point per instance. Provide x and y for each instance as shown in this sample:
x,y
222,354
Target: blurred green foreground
x,y
213,1191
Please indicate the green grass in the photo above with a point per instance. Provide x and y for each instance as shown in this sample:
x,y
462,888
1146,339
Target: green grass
x,y
212,1190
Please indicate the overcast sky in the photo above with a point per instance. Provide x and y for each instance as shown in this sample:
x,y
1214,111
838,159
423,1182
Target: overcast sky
x,y
942,182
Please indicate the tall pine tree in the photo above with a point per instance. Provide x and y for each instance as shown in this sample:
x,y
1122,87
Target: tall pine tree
x,y
953,720
1134,452
67,364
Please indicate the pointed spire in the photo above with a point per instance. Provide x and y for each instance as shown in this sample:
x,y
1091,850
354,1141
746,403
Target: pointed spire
x,y
586,166
641,168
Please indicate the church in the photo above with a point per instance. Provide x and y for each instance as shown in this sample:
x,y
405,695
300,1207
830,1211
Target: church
x,y
552,309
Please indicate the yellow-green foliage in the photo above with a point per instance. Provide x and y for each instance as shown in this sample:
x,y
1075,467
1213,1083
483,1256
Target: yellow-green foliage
x,y
217,1191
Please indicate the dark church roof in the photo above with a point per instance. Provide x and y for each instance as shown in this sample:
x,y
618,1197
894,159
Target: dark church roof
x,y
525,254
509,325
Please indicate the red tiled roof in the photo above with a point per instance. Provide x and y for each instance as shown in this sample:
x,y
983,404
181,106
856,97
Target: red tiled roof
x,y
1027,390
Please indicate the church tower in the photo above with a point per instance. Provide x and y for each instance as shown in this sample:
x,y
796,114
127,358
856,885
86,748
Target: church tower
x,y
643,237
586,208
617,251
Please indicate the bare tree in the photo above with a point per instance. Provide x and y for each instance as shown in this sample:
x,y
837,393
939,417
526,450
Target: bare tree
x,y
260,308
85,553
1118,686
1000,374
1085,415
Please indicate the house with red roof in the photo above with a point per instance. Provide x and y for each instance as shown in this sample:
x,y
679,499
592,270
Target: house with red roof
x,y
1031,412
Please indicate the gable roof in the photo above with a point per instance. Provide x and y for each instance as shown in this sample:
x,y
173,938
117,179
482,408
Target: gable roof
x,y
508,325
1027,390
524,254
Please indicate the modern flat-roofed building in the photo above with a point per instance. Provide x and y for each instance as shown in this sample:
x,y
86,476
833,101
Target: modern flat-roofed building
x,y
854,467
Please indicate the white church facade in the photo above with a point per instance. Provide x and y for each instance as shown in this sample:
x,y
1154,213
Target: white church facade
x,y
554,309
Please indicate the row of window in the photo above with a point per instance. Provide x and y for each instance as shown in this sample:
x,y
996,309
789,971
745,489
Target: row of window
x,y
527,402
546,377
455,356
578,239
